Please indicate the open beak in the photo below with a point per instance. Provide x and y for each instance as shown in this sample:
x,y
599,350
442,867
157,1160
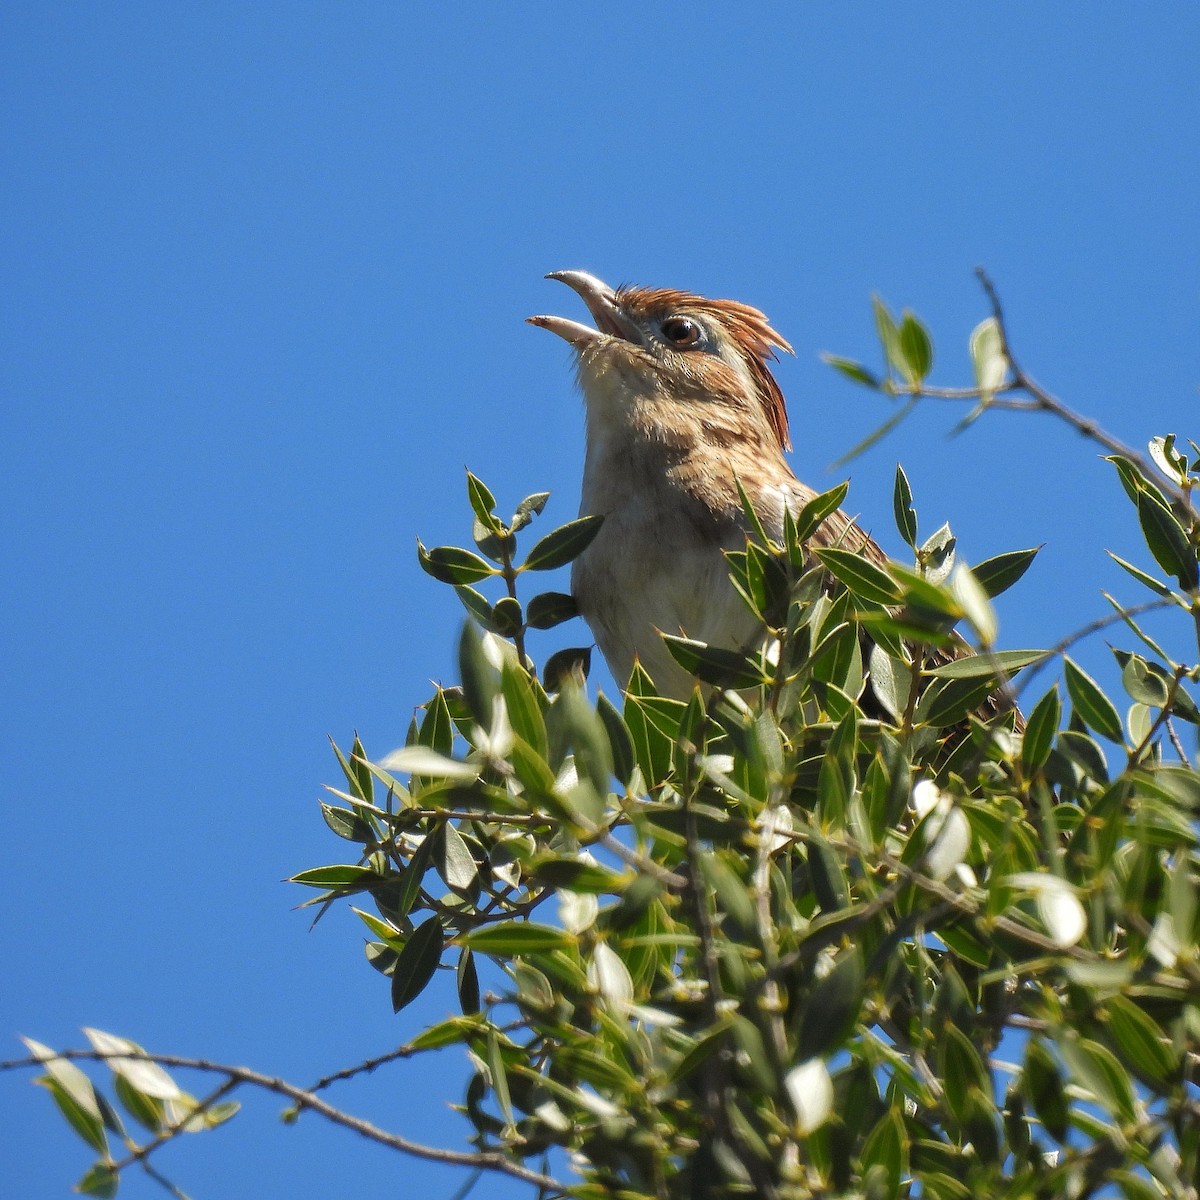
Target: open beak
x,y
602,303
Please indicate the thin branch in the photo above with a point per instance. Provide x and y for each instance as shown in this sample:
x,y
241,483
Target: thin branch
x,y
487,1160
1046,402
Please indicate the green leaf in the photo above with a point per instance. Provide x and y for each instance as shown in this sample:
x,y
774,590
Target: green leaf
x,y
454,862
1043,1088
1144,684
619,740
148,1111
948,701
563,544
902,508
452,564
82,1116
964,1072
99,1180
1167,541
1040,730
884,1159
714,664
974,600
549,609
861,577
852,370
998,574
1143,1045
480,680
828,879
1097,1069
342,876
889,335
483,503
877,434
1149,581
577,875
976,666
396,897
808,520
937,554
1091,705
417,962
516,937
832,1007
586,736
346,823
507,618
916,348
521,699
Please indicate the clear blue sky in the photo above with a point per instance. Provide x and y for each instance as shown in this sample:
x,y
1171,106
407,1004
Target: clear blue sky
x,y
264,274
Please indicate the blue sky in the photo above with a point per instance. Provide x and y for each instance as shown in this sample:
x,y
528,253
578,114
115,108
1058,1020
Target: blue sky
x,y
265,273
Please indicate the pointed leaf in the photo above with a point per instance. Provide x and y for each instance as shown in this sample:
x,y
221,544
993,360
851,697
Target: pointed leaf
x,y
852,370
714,664
1091,705
563,544
417,962
861,577
1040,730
1167,541
902,508
916,348
452,564
808,519
998,574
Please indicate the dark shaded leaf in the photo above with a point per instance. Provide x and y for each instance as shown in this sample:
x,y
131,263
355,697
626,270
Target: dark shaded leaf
x,y
1044,1089
467,979
563,544
1167,540
714,664
562,664
417,962
619,740
832,1007
549,609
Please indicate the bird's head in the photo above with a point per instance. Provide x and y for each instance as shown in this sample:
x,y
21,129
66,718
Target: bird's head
x,y
658,348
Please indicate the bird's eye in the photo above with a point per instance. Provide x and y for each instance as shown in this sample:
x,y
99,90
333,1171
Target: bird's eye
x,y
681,331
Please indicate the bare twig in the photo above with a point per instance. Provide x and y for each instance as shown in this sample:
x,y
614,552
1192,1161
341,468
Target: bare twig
x,y
303,1098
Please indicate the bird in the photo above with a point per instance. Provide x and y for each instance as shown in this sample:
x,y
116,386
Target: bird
x,y
681,407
